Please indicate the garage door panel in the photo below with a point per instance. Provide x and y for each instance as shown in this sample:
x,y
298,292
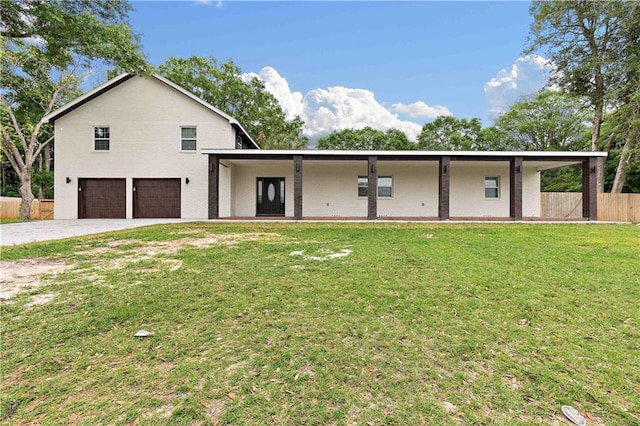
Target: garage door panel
x,y
102,198
156,198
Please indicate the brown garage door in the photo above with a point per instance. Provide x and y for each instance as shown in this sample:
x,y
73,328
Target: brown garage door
x,y
102,198
157,198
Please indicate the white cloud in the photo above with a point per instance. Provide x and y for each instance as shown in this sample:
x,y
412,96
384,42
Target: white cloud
x,y
291,102
420,110
219,3
337,108
526,75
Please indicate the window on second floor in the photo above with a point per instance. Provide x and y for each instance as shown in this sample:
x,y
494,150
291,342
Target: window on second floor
x,y
188,138
101,138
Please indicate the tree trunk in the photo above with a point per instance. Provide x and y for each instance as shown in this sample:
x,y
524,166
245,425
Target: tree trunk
x,y
595,138
26,194
40,168
621,171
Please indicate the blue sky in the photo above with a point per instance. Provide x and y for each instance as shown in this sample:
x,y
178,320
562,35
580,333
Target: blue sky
x,y
351,64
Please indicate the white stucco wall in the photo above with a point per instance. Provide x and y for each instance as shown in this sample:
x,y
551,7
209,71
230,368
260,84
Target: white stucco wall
x,y
144,117
243,201
531,203
330,189
467,190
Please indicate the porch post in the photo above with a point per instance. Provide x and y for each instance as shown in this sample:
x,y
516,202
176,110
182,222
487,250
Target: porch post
x,y
297,187
214,186
444,182
372,188
590,189
515,188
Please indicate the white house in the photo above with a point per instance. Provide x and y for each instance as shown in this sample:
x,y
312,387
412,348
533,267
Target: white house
x,y
145,147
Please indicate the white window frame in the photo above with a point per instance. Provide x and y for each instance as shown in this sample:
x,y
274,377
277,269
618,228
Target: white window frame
x,y
193,139
496,187
363,184
101,138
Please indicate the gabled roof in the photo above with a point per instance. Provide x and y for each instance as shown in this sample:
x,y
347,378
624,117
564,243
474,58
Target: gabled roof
x,y
114,82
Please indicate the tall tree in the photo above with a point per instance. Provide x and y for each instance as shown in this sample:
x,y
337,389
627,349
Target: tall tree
x,y
248,101
625,120
586,41
545,121
46,47
447,133
367,138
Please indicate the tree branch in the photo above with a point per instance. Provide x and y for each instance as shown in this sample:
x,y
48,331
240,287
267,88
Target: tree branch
x,y
14,122
12,151
11,34
41,147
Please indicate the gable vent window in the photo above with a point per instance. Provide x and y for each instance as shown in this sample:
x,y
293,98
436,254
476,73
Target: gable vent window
x,y
188,138
101,137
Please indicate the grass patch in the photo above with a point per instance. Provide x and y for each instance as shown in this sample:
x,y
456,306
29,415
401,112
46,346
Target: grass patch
x,y
328,324
12,220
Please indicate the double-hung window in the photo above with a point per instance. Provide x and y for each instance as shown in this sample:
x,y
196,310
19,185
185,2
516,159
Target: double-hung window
x,y
385,186
492,187
101,138
188,138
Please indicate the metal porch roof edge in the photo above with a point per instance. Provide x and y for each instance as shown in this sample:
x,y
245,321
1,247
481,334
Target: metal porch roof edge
x,y
471,155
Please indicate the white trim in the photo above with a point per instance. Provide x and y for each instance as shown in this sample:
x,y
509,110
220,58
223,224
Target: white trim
x,y
408,154
81,99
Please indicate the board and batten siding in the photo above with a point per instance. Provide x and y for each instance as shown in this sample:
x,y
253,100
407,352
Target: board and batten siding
x,y
144,118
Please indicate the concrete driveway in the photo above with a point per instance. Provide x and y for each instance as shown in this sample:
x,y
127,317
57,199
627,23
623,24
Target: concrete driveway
x,y
46,230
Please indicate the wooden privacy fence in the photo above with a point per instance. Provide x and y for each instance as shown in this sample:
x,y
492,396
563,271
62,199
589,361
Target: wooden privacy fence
x,y
611,207
40,209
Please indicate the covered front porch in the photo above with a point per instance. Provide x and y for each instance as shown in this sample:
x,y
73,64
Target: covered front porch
x,y
405,185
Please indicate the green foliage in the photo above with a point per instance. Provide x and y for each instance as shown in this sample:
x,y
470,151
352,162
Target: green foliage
x,y
594,46
584,41
67,31
247,101
447,133
43,179
9,180
564,179
366,139
420,323
46,47
546,121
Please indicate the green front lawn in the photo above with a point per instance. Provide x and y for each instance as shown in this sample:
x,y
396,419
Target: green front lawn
x,y
328,324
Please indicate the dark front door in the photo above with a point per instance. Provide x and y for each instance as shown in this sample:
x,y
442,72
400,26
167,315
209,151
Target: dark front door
x,y
270,197
102,198
156,198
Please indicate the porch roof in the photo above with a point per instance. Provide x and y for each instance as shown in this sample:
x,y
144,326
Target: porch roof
x,y
542,160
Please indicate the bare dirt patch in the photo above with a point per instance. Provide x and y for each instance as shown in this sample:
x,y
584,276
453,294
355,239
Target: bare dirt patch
x,y
23,275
